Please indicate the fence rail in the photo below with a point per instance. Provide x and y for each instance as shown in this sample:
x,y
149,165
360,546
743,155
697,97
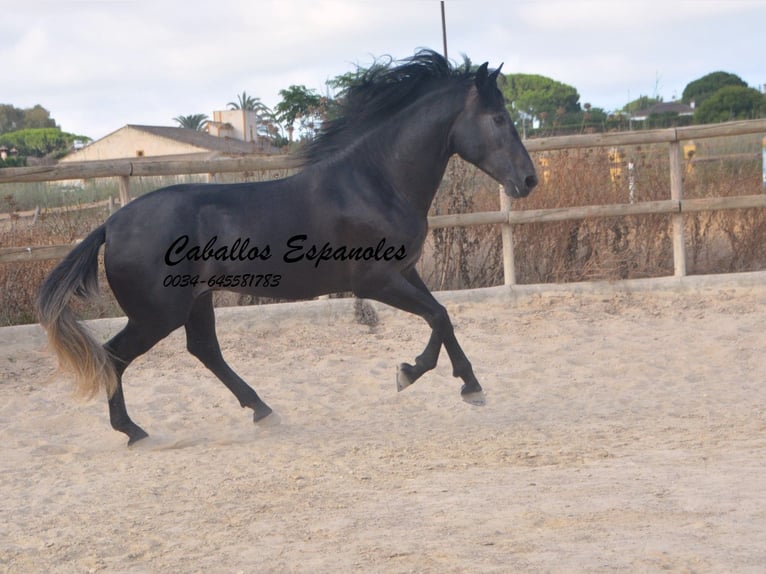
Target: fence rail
x,y
676,206
145,167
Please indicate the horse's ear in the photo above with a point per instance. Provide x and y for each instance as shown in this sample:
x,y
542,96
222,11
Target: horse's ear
x,y
493,76
481,76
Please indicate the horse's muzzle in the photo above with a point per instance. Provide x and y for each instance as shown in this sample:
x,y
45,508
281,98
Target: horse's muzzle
x,y
523,190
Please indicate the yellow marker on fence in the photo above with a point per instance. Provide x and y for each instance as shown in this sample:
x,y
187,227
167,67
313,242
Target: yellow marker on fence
x,y
690,150
616,160
545,168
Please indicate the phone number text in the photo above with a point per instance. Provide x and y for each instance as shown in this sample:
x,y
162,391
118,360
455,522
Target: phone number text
x,y
224,281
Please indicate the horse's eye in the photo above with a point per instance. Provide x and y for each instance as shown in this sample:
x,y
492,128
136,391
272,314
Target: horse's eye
x,y
499,120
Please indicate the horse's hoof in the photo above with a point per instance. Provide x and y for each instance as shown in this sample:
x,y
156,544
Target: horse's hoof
x,y
473,397
403,379
136,435
270,420
260,411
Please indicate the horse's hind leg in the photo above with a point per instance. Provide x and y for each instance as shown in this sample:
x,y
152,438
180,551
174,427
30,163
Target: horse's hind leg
x,y
407,292
408,374
201,341
132,341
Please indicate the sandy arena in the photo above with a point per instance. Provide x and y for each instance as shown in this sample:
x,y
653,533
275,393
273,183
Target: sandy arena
x,y
624,431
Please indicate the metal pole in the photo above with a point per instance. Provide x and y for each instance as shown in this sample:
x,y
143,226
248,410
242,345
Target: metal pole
x,y
444,30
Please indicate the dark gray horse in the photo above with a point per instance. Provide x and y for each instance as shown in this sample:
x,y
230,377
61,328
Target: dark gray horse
x,y
353,219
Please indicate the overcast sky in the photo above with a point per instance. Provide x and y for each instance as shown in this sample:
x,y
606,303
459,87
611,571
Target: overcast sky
x,y
98,65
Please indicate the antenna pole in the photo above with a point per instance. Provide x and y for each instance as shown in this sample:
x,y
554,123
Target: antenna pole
x,y
444,30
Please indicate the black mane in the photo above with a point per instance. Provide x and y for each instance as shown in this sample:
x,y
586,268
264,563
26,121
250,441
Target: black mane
x,y
378,93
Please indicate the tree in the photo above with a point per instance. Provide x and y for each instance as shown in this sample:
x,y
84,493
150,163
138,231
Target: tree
x,y
701,89
592,119
38,117
343,82
641,103
40,142
731,103
195,122
340,86
534,97
300,104
11,118
14,119
249,103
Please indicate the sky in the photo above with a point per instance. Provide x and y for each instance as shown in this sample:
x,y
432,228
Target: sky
x,y
98,65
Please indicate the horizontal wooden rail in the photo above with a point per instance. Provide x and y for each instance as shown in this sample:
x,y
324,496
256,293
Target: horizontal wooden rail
x,y
467,219
145,167
589,211
716,203
38,253
34,253
643,137
63,209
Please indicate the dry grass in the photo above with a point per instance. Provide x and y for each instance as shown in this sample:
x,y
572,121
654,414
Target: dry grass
x,y
601,248
598,248
20,281
461,258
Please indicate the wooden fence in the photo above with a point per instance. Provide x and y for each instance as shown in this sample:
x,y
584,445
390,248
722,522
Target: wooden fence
x,y
676,206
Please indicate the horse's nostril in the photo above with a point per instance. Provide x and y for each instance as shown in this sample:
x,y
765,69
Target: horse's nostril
x,y
531,181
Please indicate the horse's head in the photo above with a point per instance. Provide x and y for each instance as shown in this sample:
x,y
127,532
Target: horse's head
x,y
484,135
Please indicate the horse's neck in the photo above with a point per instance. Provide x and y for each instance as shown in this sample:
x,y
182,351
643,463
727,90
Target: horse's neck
x,y
415,149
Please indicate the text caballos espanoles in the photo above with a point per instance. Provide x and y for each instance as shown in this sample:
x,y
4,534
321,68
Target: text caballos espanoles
x,y
297,249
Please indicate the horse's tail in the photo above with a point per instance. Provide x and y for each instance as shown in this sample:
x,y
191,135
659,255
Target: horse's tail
x,y
77,351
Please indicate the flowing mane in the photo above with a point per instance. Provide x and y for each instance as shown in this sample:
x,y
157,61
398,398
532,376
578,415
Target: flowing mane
x,y
377,94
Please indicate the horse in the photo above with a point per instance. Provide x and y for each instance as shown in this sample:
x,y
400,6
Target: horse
x,y
352,219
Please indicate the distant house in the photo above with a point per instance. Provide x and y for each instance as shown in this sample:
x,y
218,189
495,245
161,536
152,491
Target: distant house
x,y
238,124
134,141
663,109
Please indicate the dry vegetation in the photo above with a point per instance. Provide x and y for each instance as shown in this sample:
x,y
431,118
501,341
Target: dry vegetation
x,y
459,258
603,248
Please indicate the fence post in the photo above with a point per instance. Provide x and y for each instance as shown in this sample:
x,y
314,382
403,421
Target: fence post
x,y
676,194
506,231
124,189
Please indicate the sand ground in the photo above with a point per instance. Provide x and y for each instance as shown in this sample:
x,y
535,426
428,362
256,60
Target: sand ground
x,y
624,431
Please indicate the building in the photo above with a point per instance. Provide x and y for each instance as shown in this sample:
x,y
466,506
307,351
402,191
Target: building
x,y
665,110
238,124
234,132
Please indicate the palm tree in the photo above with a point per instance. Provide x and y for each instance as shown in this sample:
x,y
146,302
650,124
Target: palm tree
x,y
266,119
195,122
245,102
